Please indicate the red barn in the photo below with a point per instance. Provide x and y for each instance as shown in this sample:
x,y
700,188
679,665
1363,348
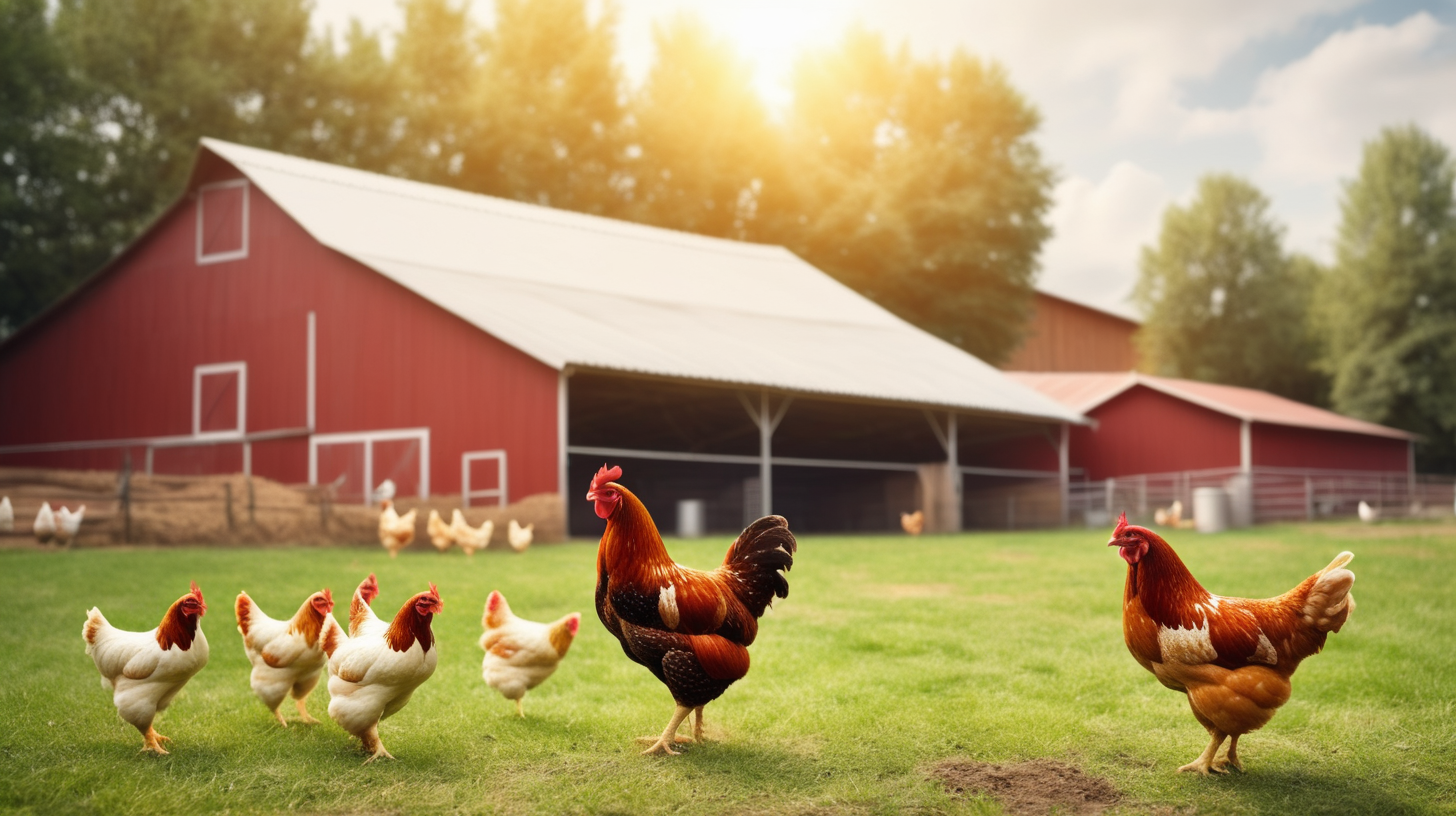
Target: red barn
x,y
1064,335
308,322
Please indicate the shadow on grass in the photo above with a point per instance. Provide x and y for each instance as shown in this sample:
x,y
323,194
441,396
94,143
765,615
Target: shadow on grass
x,y
1296,791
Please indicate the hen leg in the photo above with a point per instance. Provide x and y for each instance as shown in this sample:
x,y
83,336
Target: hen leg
x,y
520,711
301,690
278,715
669,734
373,743
303,714
1232,758
152,741
1204,763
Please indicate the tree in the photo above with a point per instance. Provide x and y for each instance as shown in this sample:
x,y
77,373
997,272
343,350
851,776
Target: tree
x,y
1387,310
919,186
707,147
1223,302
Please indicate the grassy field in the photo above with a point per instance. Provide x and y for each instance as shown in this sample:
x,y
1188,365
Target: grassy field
x,y
889,655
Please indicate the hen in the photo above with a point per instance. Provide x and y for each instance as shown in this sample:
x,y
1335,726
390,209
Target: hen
x,y
374,670
395,531
1233,657
45,524
520,537
913,523
690,628
7,515
441,534
521,654
470,538
287,655
68,525
145,670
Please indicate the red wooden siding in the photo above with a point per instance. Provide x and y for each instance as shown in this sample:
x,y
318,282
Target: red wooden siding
x,y
117,360
1145,431
1065,336
1284,446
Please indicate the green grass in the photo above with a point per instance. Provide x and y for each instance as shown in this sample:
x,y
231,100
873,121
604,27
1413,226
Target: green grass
x,y
889,655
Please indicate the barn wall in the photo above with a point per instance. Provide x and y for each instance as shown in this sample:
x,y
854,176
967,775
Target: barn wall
x,y
1144,431
117,360
1283,446
1064,336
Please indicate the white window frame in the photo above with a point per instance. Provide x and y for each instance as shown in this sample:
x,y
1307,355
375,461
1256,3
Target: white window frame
x,y
368,438
501,494
232,254
198,372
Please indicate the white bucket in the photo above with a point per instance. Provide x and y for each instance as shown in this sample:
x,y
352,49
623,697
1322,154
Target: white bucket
x,y
690,518
1210,509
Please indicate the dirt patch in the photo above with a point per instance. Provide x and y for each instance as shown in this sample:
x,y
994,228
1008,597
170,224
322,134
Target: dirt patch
x,y
1032,788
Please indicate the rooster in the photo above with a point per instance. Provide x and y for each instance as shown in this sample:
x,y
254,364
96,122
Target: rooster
x,y
690,628
1233,657
395,531
287,655
68,525
521,654
45,524
145,670
374,670
518,536
441,535
913,523
470,538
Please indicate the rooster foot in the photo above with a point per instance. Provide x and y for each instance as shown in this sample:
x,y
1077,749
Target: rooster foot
x,y
152,741
664,743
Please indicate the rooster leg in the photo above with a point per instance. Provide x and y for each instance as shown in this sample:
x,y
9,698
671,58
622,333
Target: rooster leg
x,y
698,725
303,714
1231,760
669,734
1204,764
372,742
152,741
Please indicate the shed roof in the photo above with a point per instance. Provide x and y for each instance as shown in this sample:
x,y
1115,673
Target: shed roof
x,y
579,290
1083,392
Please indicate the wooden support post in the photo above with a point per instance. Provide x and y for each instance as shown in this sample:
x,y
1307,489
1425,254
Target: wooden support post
x,y
227,499
251,503
767,423
124,494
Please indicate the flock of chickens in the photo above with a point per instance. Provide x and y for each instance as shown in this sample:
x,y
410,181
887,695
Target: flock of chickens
x,y
1232,657
398,531
60,526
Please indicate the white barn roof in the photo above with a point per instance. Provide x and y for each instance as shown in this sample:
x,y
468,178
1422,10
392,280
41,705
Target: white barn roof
x,y
578,290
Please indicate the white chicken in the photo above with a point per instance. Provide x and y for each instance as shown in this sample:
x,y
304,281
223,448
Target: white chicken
x,y
374,670
68,525
442,535
7,515
520,537
470,538
145,670
395,531
1368,514
45,524
385,492
521,654
287,655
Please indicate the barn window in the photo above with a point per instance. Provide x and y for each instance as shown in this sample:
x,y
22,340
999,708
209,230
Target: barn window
x,y
483,476
220,399
222,221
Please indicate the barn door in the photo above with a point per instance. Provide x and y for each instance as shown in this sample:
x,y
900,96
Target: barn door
x,y
358,462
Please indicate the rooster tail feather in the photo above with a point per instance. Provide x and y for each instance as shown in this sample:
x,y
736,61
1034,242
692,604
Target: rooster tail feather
x,y
1329,602
758,559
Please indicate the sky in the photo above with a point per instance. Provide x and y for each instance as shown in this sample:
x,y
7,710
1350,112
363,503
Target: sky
x,y
1138,99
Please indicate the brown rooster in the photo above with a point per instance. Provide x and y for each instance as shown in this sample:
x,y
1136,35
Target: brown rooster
x,y
690,628
1233,657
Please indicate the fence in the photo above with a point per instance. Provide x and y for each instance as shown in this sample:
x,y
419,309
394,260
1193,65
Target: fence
x,y
1274,494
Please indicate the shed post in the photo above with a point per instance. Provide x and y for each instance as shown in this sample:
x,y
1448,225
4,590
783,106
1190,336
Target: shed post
x,y
1064,473
765,457
1246,447
953,463
561,441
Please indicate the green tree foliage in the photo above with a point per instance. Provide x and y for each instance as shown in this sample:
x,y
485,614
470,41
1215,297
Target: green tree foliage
x,y
1223,301
1387,310
920,187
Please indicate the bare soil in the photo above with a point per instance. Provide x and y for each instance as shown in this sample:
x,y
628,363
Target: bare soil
x,y
1033,788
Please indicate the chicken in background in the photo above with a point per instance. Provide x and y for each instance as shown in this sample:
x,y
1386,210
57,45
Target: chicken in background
x,y
1368,514
384,493
7,516
68,525
395,531
1169,517
913,523
518,536
145,670
441,534
374,670
45,524
521,654
470,538
690,628
1233,657
287,655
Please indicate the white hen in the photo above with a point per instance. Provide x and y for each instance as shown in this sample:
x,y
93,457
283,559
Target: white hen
x,y
287,655
470,538
374,670
7,515
521,654
45,524
520,537
395,531
68,525
145,670
1368,514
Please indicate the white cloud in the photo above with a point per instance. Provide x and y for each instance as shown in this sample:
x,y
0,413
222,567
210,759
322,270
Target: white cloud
x,y
1100,227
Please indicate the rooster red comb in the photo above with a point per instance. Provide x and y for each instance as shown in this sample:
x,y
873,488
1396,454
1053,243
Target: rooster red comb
x,y
605,475
1122,525
196,590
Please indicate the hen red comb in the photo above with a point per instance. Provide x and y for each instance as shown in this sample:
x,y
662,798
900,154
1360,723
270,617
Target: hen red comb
x,y
606,475
196,590
369,589
1122,525
434,591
